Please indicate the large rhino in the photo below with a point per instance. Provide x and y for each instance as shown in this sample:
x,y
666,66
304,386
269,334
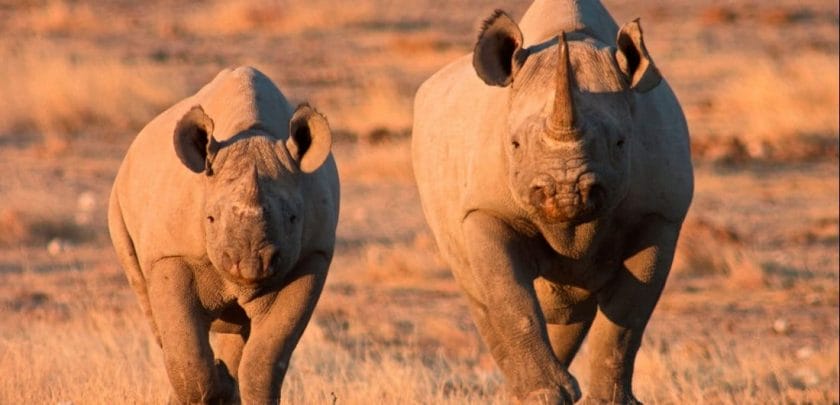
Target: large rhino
x,y
554,170
223,216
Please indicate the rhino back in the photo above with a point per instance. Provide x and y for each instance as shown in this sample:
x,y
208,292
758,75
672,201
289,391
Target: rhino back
x,y
546,18
160,199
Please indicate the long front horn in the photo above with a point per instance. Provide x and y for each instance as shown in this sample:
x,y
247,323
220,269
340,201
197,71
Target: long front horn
x,y
563,126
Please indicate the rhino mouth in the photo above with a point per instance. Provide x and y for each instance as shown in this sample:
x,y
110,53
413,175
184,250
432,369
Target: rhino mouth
x,y
252,269
567,202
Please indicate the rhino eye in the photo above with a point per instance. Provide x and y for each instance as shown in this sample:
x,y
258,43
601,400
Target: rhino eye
x,y
293,218
210,219
515,144
620,143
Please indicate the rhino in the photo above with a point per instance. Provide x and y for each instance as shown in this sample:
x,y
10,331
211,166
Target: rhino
x,y
554,170
223,216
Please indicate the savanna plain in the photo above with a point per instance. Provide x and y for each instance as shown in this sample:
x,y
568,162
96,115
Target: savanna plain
x,y
750,313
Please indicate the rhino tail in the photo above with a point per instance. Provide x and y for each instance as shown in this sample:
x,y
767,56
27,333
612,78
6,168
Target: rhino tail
x,y
127,257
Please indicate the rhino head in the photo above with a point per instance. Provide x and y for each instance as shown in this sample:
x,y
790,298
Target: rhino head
x,y
569,129
253,207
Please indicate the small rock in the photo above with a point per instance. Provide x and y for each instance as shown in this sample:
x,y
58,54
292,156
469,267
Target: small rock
x,y
56,246
804,352
807,376
781,326
83,217
86,201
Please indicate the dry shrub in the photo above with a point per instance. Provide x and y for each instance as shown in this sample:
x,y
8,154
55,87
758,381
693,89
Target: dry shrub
x,y
379,103
718,14
18,228
783,107
275,16
13,227
60,16
780,15
52,91
705,248
822,230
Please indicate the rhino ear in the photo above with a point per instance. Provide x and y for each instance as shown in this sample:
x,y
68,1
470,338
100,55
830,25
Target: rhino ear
x,y
194,142
633,58
498,54
310,138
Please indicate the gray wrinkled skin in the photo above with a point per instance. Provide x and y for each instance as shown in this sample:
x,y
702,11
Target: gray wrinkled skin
x,y
223,216
553,167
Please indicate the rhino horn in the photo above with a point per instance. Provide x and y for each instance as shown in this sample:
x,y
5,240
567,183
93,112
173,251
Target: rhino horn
x,y
562,121
251,190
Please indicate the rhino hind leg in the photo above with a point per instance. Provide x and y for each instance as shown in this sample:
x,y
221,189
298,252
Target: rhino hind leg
x,y
227,348
127,256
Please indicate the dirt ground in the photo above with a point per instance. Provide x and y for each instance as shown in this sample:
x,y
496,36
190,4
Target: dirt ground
x,y
750,313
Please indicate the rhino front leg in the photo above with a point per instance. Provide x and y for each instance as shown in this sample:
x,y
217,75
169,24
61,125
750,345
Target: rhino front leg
x,y
184,326
624,308
499,279
277,323
568,312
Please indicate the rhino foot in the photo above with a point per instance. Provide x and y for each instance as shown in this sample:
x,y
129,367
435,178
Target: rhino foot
x,y
547,396
629,400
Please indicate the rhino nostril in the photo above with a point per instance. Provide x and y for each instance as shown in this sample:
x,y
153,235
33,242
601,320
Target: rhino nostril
x,y
543,186
595,196
274,261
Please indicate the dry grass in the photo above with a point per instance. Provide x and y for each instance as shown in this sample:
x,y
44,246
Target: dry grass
x,y
95,347
57,92
379,105
779,107
708,369
59,17
274,16
366,162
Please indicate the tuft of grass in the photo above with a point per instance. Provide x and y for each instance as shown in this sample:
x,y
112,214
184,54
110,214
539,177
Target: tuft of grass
x,y
705,248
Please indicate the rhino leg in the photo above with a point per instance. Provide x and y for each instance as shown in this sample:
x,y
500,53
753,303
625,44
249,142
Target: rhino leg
x,y
499,278
568,312
624,308
277,323
228,350
184,328
127,255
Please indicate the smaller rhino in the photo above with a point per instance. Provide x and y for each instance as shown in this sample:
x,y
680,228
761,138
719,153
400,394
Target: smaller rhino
x,y
223,216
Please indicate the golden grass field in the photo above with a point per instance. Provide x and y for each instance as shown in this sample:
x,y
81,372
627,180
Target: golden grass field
x,y
750,314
